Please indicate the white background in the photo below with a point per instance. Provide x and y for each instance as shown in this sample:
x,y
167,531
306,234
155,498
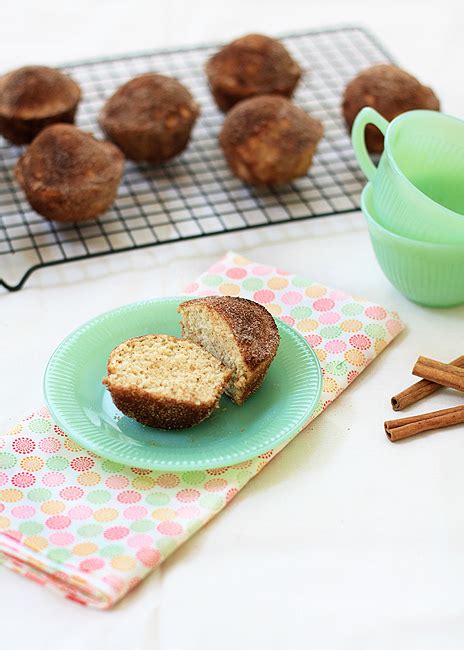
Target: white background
x,y
346,540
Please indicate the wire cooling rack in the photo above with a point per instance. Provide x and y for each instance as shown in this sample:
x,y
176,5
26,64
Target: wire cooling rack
x,y
194,195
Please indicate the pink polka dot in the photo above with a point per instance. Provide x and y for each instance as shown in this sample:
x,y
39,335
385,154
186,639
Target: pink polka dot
x,y
23,445
149,556
23,479
230,494
375,312
170,528
117,482
50,445
3,478
263,296
80,512
329,317
2,507
140,541
217,268
52,479
360,342
114,581
23,512
292,297
71,493
91,564
394,327
314,340
335,346
338,295
116,532
282,272
58,522
82,463
58,431
191,288
189,512
61,539
129,497
352,375
187,495
204,292
289,320
236,273
135,512
323,304
261,269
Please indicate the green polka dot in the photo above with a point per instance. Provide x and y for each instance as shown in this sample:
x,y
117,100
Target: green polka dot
x,y
56,463
211,501
352,308
30,528
112,550
40,425
142,526
252,284
212,280
109,466
330,332
243,477
301,312
298,281
99,496
193,478
336,368
157,499
39,494
7,460
193,527
166,546
59,554
90,530
376,331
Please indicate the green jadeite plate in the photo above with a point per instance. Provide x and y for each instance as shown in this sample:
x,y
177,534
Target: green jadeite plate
x,y
82,406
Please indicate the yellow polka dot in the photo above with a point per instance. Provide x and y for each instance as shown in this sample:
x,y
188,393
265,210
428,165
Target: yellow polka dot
x,y
89,478
71,445
10,495
32,463
275,310
321,354
164,514
36,542
15,430
330,385
86,548
229,289
315,291
77,580
123,563
351,325
4,522
240,260
277,283
307,325
143,482
52,507
105,514
379,346
355,357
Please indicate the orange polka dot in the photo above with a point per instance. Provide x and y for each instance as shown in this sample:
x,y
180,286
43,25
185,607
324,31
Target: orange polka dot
x,y
315,291
123,563
10,495
229,289
215,484
105,514
355,357
15,430
32,463
351,325
52,507
380,345
240,260
275,310
168,480
321,354
164,514
71,445
277,283
89,478
330,385
86,548
4,522
36,542
307,325
143,482
244,465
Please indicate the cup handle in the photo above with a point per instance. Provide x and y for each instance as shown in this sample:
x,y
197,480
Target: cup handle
x,y
366,116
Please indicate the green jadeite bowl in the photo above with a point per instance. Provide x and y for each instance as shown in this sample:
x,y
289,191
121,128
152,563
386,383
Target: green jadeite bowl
x,y
429,274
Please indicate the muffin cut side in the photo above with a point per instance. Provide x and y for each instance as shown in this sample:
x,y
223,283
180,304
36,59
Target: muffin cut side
x,y
165,382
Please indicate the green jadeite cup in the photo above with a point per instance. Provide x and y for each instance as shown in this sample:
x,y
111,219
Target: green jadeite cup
x,y
418,186
429,274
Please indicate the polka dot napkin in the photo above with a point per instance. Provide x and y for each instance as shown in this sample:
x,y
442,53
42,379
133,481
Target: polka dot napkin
x,y
92,529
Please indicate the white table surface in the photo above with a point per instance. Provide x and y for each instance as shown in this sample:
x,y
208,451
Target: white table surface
x,y
345,541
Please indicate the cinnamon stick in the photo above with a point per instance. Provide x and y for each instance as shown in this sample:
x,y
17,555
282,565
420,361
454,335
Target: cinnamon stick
x,y
419,390
407,427
444,374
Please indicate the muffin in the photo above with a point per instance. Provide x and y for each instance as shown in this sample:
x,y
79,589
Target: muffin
x,y
240,333
150,118
34,97
164,382
249,66
267,140
391,91
68,175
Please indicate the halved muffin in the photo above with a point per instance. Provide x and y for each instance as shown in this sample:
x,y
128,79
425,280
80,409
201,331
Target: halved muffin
x,y
240,333
165,382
